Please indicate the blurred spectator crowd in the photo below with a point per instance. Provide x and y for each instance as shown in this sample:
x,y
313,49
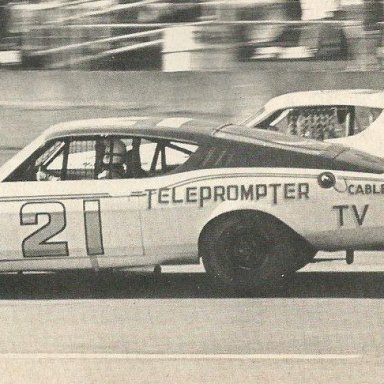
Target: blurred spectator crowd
x,y
131,34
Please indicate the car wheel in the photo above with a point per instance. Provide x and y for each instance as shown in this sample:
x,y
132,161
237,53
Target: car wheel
x,y
247,251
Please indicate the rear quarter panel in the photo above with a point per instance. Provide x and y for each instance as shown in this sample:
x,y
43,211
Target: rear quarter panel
x,y
176,208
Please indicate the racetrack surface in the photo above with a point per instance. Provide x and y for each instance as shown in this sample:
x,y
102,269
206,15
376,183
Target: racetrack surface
x,y
120,327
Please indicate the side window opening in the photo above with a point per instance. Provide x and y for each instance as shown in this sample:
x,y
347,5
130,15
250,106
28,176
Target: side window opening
x,y
75,160
162,156
108,157
317,122
176,154
80,162
118,157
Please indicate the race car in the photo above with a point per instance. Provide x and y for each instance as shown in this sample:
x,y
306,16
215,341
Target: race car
x,y
254,205
350,117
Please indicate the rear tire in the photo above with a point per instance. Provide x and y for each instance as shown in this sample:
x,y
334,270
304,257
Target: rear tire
x,y
248,251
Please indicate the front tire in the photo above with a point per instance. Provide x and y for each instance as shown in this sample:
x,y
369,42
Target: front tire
x,y
248,251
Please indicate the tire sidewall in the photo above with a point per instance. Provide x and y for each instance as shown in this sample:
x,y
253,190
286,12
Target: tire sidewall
x,y
286,255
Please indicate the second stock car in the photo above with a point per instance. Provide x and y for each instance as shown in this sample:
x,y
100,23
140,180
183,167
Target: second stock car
x,y
353,117
128,192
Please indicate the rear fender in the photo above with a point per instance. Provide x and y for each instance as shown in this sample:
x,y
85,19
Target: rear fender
x,y
229,207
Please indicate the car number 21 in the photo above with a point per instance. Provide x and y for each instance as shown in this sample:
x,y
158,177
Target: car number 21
x,y
37,244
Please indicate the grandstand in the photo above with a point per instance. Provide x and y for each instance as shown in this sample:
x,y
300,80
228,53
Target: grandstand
x,y
129,34
95,34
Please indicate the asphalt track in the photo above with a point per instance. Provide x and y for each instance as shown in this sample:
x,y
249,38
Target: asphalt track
x,y
325,326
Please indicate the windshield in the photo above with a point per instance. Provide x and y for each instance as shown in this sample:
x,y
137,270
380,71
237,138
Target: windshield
x,y
10,165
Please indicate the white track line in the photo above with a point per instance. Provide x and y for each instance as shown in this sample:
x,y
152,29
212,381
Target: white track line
x,y
176,356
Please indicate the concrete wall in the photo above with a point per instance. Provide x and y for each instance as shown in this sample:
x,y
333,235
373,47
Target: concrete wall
x,y
31,101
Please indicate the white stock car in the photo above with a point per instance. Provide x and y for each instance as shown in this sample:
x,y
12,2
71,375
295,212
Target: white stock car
x,y
350,117
254,205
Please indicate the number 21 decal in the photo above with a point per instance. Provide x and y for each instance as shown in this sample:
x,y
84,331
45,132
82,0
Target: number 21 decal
x,y
37,244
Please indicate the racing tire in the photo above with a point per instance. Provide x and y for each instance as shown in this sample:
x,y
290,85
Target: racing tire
x,y
250,252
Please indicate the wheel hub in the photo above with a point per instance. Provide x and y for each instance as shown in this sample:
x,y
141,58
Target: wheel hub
x,y
245,249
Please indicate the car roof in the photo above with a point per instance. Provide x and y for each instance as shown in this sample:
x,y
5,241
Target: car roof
x,y
184,129
360,97
181,129
172,128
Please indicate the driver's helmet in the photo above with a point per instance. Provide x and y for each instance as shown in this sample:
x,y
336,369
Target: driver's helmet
x,y
117,149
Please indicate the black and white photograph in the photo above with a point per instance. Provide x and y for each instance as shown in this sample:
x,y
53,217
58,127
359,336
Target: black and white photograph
x,y
192,191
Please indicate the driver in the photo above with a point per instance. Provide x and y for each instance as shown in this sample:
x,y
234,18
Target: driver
x,y
44,176
115,154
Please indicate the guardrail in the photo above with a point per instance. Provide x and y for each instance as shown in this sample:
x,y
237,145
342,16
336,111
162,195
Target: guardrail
x,y
114,9
93,42
105,54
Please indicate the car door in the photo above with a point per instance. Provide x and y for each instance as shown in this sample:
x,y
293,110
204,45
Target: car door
x,y
169,222
57,214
